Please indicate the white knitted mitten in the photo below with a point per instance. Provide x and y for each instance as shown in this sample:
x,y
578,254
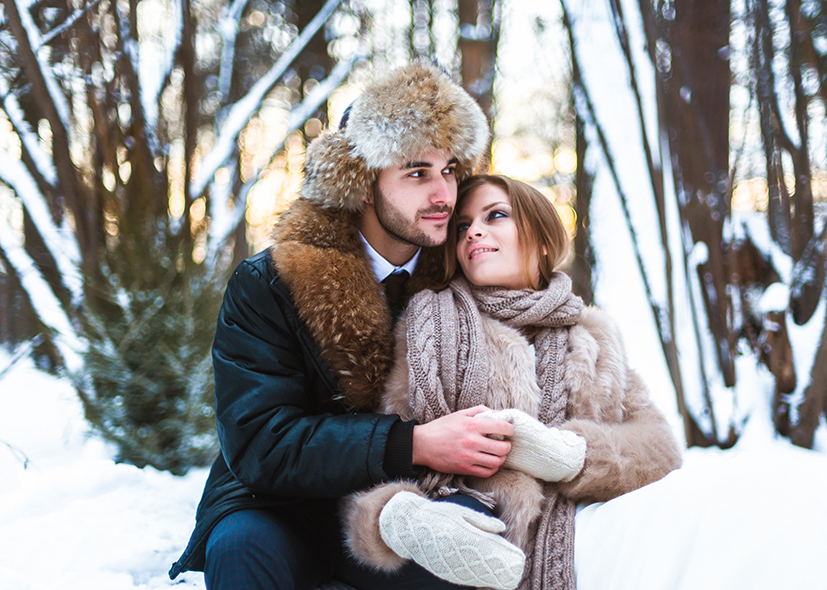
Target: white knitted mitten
x,y
452,542
541,451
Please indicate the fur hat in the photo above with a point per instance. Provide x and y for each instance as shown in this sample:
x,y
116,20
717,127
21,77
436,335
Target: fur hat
x,y
411,110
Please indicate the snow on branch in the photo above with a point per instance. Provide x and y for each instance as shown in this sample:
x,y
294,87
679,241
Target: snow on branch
x,y
223,218
228,27
70,20
321,92
35,40
47,307
586,107
44,164
241,112
624,40
145,60
22,352
62,245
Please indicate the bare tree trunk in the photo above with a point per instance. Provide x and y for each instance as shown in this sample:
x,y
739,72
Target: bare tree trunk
x,y
190,121
478,50
803,200
778,206
17,322
583,261
695,112
314,62
45,104
814,405
807,248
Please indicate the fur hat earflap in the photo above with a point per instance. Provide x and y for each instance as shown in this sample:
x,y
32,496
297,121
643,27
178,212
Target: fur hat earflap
x,y
409,111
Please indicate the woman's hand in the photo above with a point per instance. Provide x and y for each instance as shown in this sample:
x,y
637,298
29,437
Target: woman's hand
x,y
541,451
459,443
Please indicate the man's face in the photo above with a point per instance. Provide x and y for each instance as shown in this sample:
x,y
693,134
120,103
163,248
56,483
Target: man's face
x,y
414,200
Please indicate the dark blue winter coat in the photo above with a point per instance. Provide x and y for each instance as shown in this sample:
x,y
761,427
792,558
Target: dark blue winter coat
x,y
300,354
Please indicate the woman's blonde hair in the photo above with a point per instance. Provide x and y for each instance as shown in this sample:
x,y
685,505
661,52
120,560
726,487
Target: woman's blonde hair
x,y
539,227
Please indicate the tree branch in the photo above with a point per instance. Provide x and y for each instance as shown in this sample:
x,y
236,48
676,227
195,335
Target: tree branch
x,y
50,100
67,24
47,307
61,245
242,110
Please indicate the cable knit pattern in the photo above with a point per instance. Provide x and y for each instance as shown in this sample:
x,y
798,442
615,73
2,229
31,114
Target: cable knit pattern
x,y
454,542
439,324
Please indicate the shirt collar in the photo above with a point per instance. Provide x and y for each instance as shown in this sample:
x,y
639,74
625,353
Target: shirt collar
x,y
382,268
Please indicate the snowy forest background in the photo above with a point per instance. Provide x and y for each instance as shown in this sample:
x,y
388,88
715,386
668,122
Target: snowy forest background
x,y
147,146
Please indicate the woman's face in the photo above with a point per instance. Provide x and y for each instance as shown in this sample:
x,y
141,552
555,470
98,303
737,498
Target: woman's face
x,y
488,249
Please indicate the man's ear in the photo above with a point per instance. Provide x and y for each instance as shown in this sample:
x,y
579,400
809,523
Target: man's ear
x,y
368,198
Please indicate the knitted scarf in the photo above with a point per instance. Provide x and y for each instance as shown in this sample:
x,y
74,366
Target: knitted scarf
x,y
448,371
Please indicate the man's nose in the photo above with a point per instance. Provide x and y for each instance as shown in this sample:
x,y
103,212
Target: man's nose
x,y
445,191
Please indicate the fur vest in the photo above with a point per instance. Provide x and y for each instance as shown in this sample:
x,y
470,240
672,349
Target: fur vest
x,y
629,443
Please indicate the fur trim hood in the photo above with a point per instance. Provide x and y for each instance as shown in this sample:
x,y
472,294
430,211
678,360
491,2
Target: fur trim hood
x,y
322,261
409,111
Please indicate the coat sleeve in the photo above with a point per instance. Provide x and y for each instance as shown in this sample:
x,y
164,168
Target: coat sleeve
x,y
273,436
629,443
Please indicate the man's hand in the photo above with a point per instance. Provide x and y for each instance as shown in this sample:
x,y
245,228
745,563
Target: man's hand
x,y
459,443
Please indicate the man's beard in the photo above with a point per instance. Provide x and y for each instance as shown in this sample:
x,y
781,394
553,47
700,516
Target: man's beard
x,y
404,230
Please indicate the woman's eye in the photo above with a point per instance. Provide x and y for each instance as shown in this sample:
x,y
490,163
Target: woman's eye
x,y
497,214
462,228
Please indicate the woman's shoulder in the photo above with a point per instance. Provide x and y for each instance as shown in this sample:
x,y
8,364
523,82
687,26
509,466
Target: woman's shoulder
x,y
598,322
597,335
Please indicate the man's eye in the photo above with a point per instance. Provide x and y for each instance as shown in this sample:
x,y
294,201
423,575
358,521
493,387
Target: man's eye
x,y
417,174
450,170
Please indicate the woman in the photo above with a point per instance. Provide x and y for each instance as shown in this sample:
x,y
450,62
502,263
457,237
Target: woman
x,y
507,333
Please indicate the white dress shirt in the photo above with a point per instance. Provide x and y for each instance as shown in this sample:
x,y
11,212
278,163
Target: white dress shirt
x,y
382,268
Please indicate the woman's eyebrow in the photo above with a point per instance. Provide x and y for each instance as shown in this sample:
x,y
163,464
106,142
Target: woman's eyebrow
x,y
495,204
486,208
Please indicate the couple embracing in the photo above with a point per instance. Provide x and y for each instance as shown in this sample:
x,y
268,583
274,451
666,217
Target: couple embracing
x,y
408,395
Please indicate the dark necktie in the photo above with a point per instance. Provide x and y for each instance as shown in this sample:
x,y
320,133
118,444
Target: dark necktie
x,y
395,291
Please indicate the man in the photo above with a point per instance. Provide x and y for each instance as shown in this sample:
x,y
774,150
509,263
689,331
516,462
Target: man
x,y
303,343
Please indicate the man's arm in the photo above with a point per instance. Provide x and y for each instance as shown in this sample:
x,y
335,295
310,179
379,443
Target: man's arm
x,y
275,434
457,443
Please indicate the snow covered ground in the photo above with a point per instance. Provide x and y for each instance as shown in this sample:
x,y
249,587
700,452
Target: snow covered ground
x,y
71,518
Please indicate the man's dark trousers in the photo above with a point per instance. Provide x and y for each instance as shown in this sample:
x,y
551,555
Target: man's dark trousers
x,y
299,547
